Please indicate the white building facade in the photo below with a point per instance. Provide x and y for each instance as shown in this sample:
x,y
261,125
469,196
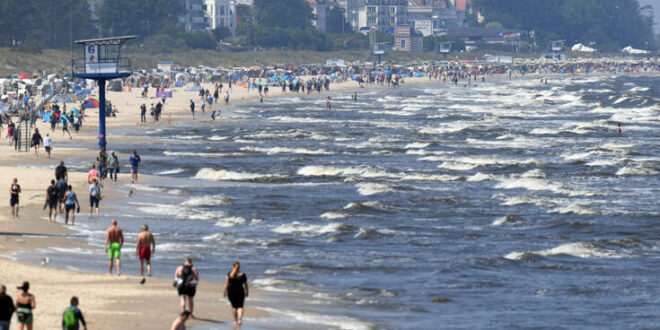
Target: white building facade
x,y
222,13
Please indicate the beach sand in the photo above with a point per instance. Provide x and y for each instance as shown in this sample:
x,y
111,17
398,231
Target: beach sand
x,y
109,302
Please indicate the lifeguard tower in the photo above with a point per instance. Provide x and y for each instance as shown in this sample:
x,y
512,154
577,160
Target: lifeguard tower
x,y
101,62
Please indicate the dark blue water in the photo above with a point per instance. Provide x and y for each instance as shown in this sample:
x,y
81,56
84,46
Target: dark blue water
x,y
511,204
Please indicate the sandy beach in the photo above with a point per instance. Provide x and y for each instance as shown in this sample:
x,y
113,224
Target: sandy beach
x,y
109,302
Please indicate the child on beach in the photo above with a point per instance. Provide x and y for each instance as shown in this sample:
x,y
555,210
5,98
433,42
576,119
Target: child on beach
x,y
73,316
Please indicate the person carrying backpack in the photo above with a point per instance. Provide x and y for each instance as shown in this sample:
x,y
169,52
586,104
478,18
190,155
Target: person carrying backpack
x,y
73,317
186,281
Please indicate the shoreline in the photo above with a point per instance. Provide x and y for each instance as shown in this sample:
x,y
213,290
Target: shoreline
x,y
53,287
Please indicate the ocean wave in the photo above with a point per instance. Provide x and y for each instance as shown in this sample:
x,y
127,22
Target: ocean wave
x,y
479,177
186,137
636,171
284,150
193,154
227,222
217,138
171,172
507,219
215,200
369,189
225,175
457,166
575,208
311,229
333,215
578,250
331,321
366,206
417,145
535,181
367,172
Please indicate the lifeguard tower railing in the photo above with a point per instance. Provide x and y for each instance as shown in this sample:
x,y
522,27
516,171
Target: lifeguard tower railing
x,y
102,67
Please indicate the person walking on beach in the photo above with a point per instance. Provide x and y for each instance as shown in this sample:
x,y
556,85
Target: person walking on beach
x,y
94,197
71,206
7,308
37,140
61,172
146,247
135,161
73,316
180,322
93,174
236,289
114,241
143,113
192,108
52,201
25,304
187,278
14,198
328,103
48,144
113,166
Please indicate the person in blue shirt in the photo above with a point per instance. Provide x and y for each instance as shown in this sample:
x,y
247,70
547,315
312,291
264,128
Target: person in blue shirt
x,y
134,160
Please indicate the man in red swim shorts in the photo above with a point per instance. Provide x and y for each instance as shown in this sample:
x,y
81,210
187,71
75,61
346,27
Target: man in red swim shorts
x,y
146,247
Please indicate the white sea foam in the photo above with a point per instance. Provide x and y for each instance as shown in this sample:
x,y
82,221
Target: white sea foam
x,y
417,145
309,229
215,200
636,171
186,137
284,150
479,177
193,154
171,172
227,222
578,250
217,138
364,172
457,166
323,321
333,215
369,189
225,175
575,208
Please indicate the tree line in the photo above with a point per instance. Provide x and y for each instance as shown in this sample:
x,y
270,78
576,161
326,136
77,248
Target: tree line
x,y
608,25
36,24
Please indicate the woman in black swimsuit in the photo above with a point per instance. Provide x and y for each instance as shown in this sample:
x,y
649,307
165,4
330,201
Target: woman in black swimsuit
x,y
236,289
14,192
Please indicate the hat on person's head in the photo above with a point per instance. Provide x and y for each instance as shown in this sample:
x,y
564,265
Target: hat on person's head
x,y
25,287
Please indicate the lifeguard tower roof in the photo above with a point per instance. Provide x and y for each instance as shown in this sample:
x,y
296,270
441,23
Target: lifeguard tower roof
x,y
106,41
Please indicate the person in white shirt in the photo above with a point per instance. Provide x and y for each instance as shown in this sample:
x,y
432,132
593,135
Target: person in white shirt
x,y
48,144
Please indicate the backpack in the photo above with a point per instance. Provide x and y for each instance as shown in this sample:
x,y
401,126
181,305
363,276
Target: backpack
x,y
53,194
95,191
69,319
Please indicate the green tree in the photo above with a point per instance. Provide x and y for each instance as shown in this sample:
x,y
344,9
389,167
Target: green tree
x,y
143,18
294,14
610,24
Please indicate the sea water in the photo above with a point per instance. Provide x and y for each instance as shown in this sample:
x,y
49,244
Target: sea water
x,y
510,204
